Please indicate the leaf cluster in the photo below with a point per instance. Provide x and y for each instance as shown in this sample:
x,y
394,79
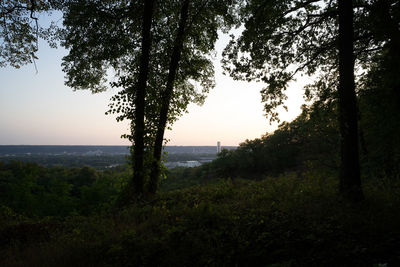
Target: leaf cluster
x,y
104,42
281,39
20,30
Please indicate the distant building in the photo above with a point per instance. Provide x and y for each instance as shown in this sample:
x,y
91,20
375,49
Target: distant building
x,y
189,163
218,147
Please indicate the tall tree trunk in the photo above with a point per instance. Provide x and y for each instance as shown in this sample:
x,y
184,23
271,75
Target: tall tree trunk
x,y
350,182
391,30
140,93
166,98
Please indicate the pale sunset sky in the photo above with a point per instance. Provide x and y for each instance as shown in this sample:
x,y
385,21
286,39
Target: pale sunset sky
x,y
38,109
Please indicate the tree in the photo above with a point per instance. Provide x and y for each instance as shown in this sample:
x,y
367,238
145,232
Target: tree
x,y
350,181
20,30
193,33
206,15
116,38
283,38
140,94
379,93
166,97
111,42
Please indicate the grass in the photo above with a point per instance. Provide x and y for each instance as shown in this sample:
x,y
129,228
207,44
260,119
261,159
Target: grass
x,y
284,221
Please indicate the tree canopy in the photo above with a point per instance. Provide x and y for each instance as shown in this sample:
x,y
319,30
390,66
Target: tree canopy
x,y
20,30
111,47
283,38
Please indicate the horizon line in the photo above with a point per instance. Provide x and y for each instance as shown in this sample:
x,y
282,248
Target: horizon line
x,y
100,145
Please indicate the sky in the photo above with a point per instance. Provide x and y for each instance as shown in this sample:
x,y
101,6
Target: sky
x,y
36,108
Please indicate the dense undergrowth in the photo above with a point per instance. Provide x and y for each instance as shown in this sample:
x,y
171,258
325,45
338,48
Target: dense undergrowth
x,y
284,221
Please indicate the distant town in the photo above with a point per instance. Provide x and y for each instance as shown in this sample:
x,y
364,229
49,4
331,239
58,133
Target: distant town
x,y
103,157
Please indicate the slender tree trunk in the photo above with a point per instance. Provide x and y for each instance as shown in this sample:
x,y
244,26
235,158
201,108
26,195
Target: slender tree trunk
x,y
140,93
166,98
350,182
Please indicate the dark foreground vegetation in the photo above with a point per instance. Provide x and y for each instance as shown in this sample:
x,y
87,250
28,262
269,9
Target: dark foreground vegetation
x,y
282,221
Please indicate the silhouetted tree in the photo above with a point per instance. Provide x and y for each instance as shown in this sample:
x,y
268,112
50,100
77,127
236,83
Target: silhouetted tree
x,y
283,38
112,35
140,94
350,181
166,97
213,15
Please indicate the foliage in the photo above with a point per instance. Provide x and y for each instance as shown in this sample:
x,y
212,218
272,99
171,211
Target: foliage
x,y
208,215
32,190
283,38
182,177
379,104
309,140
90,59
20,30
106,23
312,139
283,221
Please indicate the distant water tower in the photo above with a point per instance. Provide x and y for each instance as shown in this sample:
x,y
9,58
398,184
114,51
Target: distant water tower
x,y
218,147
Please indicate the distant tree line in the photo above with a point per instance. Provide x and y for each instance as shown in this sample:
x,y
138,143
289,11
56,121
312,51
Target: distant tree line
x,y
100,162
